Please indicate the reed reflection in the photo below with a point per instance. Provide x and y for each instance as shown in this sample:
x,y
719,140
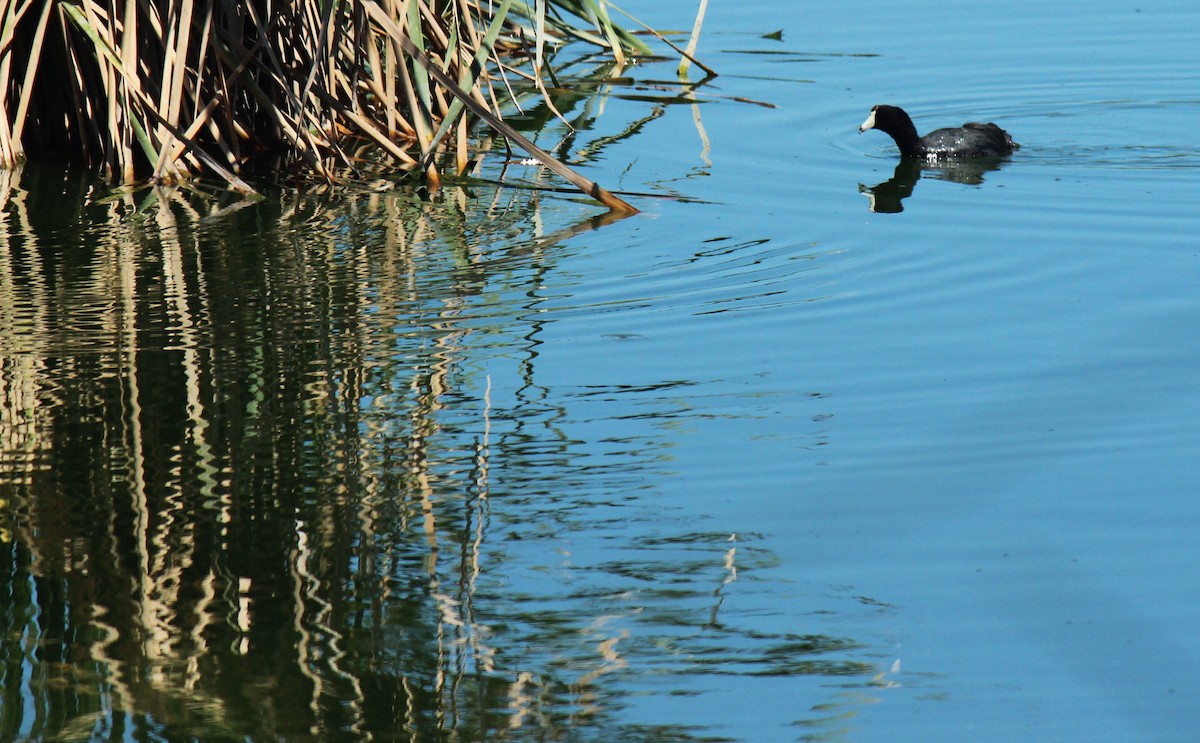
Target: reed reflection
x,y
254,494
221,495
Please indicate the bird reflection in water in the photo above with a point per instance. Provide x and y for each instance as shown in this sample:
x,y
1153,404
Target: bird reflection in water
x,y
888,197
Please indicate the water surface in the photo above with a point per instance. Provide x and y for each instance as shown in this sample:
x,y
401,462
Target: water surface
x,y
758,464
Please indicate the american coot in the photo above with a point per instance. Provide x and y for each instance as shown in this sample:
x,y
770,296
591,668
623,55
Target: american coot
x,y
970,140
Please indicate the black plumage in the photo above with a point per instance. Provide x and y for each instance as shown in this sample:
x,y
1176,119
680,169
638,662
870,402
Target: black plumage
x,y
970,140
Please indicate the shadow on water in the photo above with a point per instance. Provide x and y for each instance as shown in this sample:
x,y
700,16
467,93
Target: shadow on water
x,y
288,469
888,197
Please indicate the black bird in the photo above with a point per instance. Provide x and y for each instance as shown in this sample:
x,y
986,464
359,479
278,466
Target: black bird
x,y
970,140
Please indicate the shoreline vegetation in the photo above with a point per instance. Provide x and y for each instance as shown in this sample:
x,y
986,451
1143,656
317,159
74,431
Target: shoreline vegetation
x,y
166,90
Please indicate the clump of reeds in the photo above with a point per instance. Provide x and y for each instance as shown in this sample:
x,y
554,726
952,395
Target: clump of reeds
x,y
166,89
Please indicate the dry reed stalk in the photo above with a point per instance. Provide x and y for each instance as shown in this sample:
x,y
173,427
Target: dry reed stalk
x,y
170,89
687,55
694,40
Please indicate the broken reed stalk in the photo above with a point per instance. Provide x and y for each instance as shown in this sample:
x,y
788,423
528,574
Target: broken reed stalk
x,y
167,89
480,110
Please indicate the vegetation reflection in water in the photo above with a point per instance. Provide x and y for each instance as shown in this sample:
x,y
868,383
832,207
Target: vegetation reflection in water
x,y
287,469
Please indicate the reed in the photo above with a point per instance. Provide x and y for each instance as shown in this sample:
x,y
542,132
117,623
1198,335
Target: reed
x,y
165,90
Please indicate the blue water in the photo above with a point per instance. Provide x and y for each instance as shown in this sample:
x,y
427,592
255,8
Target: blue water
x,y
759,463
965,431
